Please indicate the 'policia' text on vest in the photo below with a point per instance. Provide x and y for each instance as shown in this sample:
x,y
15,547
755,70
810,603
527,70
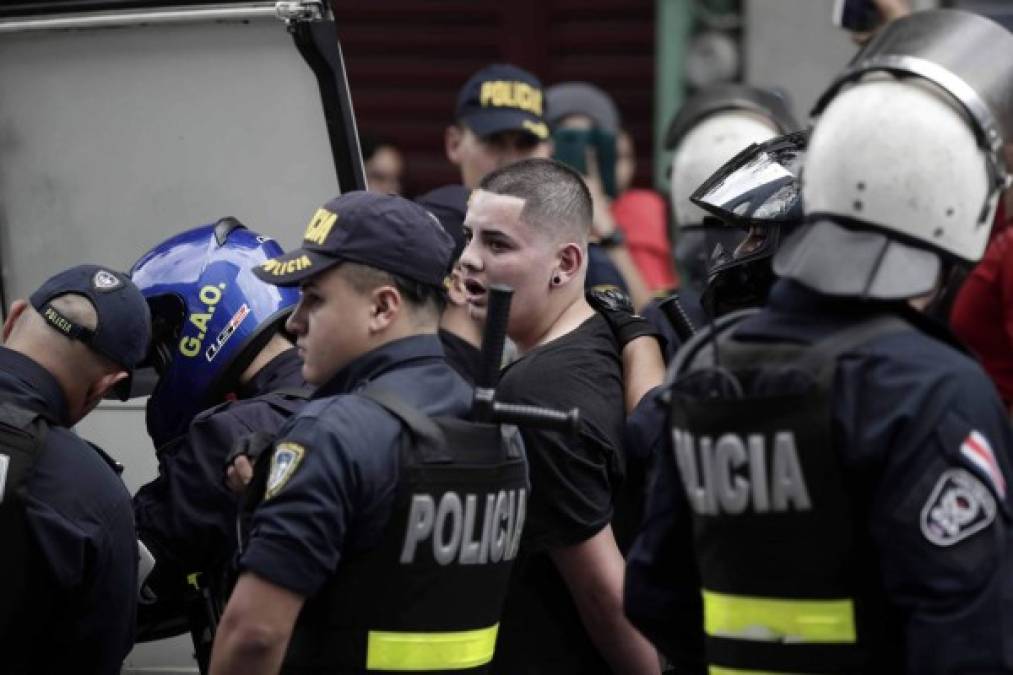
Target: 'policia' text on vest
x,y
731,474
461,532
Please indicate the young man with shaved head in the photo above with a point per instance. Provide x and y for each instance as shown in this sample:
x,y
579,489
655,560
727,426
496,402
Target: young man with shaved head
x,y
528,225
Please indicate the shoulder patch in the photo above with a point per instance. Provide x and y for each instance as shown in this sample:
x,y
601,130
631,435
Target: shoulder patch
x,y
284,461
960,505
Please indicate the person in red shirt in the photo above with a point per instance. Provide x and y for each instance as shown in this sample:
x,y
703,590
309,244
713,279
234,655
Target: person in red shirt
x,y
642,215
982,314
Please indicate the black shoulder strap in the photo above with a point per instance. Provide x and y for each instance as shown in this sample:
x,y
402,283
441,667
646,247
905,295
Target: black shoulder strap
x,y
430,439
22,435
821,357
685,357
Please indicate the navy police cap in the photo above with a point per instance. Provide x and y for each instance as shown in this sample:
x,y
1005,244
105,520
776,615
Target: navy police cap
x,y
450,205
386,232
502,97
123,330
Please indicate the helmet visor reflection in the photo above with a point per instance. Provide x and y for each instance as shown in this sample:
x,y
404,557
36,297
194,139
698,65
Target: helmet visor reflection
x,y
759,186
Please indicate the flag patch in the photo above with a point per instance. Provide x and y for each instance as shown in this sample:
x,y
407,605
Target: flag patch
x,y
977,450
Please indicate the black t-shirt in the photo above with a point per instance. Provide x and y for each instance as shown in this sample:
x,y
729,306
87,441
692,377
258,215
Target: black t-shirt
x,y
574,485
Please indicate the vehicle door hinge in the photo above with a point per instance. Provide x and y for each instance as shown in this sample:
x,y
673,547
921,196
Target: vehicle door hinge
x,y
291,11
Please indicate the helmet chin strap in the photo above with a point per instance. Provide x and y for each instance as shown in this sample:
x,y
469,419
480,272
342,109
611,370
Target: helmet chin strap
x,y
880,256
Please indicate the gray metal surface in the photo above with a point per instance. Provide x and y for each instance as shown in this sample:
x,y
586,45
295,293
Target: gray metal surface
x,y
110,19
111,140
965,54
793,45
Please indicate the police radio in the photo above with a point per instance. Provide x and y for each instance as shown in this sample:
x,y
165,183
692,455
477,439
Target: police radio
x,y
485,407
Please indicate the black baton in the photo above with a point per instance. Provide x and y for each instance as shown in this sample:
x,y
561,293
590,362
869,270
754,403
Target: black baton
x,y
672,308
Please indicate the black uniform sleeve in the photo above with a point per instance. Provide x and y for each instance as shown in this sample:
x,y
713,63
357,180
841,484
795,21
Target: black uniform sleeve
x,y
941,522
186,516
661,595
326,480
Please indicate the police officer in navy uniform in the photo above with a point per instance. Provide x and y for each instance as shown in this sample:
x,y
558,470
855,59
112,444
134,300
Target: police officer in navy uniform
x,y
225,370
69,562
460,333
365,554
831,496
499,119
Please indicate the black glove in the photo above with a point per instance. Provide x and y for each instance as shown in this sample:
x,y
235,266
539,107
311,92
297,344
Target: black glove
x,y
617,309
252,445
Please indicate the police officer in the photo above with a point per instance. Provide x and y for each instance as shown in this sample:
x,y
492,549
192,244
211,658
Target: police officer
x,y
758,192
710,128
499,119
225,370
368,553
69,562
833,494
460,333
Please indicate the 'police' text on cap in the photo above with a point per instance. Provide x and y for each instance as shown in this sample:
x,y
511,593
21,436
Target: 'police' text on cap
x,y
382,231
502,98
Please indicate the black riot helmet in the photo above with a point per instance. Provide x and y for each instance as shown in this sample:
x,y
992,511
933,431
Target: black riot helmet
x,y
709,129
757,191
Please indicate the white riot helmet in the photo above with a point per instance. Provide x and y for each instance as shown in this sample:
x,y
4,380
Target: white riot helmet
x,y
704,149
904,162
712,127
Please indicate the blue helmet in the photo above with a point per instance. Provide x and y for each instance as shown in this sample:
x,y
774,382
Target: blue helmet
x,y
210,317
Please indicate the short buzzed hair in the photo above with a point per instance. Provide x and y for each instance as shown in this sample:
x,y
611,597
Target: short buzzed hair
x,y
555,196
426,300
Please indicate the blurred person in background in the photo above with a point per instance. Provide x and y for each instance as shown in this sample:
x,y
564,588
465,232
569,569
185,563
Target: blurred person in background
x,y
585,123
384,165
460,333
499,119
642,216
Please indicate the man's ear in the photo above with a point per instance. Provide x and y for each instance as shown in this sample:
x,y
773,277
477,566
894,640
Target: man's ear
x,y
452,137
102,386
386,306
455,288
18,308
569,260
544,150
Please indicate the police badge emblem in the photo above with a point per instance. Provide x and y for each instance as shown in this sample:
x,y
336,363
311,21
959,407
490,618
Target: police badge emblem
x,y
960,505
105,281
284,462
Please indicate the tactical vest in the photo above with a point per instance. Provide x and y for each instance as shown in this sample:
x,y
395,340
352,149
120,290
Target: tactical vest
x,y
429,595
789,580
22,438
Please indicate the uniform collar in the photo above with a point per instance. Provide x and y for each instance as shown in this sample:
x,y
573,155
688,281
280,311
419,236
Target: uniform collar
x,y
284,370
39,390
375,363
796,312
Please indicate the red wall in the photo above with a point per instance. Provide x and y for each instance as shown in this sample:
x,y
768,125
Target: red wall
x,y
406,60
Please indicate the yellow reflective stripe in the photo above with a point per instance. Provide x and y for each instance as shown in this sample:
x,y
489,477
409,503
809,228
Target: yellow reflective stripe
x,y
430,651
718,670
777,620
